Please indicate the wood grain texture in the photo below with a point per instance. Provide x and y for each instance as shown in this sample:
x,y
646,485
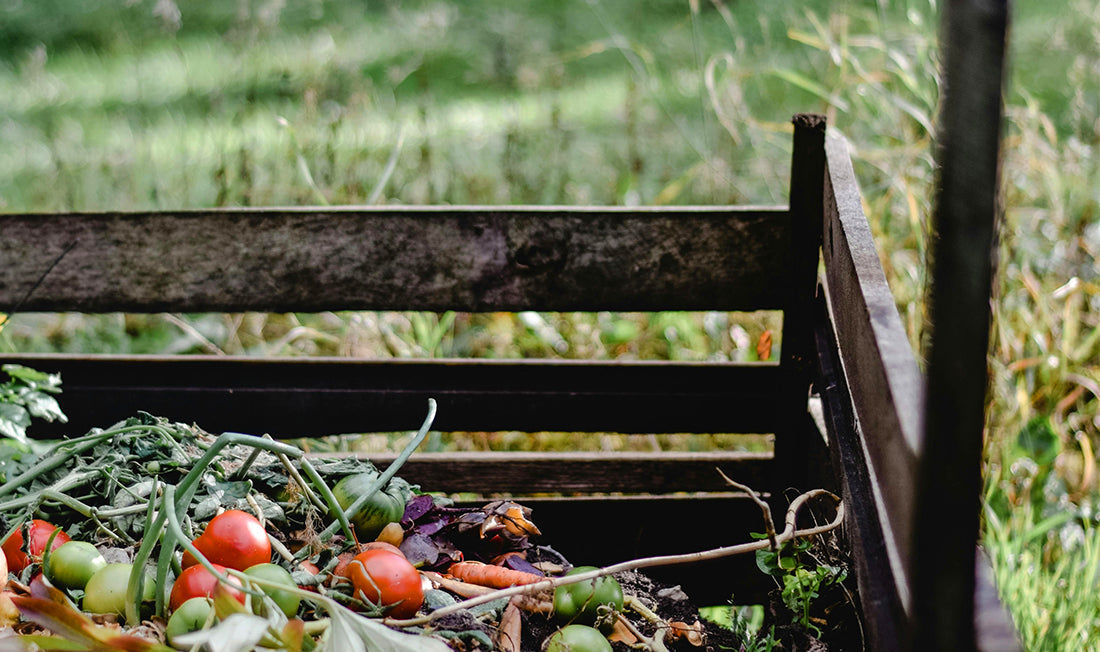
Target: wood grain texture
x,y
881,372
884,619
412,258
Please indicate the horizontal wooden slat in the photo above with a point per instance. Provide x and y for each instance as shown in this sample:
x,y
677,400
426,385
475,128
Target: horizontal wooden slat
x,y
414,258
579,472
878,363
321,396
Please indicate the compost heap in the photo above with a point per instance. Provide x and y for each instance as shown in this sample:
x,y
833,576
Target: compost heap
x,y
161,503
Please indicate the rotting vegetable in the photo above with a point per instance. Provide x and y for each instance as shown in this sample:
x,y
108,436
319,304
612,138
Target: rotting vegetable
x,y
374,511
39,534
386,581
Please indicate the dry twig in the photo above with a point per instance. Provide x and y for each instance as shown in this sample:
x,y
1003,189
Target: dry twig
x,y
789,532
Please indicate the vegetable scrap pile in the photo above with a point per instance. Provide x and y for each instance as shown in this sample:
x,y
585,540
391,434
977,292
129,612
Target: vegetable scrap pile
x,y
154,535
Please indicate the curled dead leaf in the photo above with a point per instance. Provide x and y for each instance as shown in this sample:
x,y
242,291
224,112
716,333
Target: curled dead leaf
x,y
622,634
693,634
510,631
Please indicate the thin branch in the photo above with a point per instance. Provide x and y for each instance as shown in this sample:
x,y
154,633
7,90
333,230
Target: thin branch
x,y
769,524
788,534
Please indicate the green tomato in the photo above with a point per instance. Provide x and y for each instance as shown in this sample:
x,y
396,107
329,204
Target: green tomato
x,y
73,564
105,592
577,638
286,601
191,616
384,507
580,602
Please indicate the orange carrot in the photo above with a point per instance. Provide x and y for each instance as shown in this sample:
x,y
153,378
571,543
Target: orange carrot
x,y
497,577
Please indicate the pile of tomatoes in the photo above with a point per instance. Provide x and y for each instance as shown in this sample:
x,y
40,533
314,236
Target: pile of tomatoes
x,y
233,556
233,539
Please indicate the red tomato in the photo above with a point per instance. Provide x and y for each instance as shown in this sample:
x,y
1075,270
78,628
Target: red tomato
x,y
39,532
234,539
383,578
197,582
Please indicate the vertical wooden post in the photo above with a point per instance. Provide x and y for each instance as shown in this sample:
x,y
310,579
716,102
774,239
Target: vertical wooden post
x,y
794,452
946,521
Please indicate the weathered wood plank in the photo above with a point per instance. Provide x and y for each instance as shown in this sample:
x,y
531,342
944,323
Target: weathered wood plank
x,y
806,206
884,618
304,397
413,258
879,367
628,472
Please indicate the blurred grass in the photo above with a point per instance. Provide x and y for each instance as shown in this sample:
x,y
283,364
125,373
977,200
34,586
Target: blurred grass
x,y
147,105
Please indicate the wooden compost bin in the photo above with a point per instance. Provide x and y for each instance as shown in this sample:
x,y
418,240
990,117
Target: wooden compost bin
x,y
843,348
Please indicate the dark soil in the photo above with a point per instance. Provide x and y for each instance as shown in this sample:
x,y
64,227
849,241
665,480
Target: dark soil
x,y
835,616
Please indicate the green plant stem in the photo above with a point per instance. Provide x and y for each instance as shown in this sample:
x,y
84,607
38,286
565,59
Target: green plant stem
x,y
184,492
247,464
174,527
297,477
70,481
390,471
50,463
84,510
57,455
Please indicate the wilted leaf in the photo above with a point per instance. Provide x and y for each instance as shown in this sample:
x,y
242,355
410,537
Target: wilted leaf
x,y
511,628
44,406
350,632
238,632
58,616
34,378
14,420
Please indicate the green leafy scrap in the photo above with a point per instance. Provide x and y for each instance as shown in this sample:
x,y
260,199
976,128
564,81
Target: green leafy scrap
x,y
27,394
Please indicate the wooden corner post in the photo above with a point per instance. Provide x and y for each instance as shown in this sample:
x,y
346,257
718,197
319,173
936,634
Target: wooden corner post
x,y
798,457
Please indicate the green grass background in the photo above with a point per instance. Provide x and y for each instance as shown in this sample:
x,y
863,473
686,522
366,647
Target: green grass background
x,y
153,104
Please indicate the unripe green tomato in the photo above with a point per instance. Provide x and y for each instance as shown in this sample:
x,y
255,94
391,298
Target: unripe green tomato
x,y
580,602
105,592
73,564
286,601
384,507
577,638
192,616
